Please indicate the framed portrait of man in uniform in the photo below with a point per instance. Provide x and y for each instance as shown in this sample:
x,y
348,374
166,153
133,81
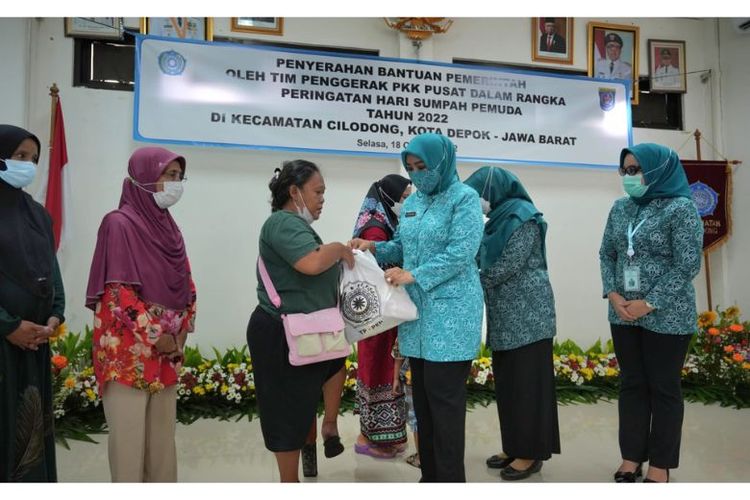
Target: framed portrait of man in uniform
x,y
613,53
552,39
666,66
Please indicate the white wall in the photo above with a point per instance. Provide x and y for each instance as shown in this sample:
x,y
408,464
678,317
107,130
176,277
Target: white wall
x,y
735,109
14,53
226,198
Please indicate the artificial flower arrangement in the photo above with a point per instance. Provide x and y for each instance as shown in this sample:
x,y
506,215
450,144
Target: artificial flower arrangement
x,y
717,369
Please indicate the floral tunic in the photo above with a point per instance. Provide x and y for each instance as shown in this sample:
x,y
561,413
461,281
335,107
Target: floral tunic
x,y
668,249
520,303
125,331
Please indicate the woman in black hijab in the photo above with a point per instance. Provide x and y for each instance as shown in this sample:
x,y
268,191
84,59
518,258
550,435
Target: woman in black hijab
x,y
32,303
382,413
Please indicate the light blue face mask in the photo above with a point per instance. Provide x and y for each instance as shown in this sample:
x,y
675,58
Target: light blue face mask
x,y
18,174
633,186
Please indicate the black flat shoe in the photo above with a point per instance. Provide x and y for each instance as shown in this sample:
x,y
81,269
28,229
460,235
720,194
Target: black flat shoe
x,y
309,460
647,480
498,462
332,447
628,477
511,474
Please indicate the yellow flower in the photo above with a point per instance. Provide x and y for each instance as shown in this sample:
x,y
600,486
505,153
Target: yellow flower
x,y
588,373
60,332
198,390
707,318
232,366
611,372
732,312
348,364
746,366
224,389
70,382
90,394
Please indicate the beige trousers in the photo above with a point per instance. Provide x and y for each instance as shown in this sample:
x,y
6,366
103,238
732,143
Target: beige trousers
x,y
141,433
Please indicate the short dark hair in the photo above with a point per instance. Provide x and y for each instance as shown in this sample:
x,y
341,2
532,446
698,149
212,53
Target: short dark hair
x,y
292,173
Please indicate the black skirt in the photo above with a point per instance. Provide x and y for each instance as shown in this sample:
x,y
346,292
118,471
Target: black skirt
x,y
526,401
287,395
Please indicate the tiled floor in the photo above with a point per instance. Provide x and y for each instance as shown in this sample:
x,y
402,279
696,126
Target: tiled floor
x,y
715,448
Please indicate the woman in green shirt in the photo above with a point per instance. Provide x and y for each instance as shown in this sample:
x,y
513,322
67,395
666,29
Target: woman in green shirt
x,y
305,273
650,253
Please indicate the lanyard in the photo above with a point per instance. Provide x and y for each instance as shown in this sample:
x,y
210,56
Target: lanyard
x,y
631,233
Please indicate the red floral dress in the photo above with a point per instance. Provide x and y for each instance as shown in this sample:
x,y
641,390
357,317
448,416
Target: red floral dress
x,y
125,331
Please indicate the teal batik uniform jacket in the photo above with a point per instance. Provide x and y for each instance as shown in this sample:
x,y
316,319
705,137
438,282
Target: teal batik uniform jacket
x,y
520,303
437,241
668,248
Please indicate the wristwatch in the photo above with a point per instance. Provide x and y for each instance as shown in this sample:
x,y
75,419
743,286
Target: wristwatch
x,y
649,304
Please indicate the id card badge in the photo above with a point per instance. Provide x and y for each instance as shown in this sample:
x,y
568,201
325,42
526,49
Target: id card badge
x,y
632,275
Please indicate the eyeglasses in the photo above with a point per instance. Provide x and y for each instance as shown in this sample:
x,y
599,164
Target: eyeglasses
x,y
629,170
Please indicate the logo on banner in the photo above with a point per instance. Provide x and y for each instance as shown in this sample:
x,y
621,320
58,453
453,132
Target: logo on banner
x,y
171,62
705,198
360,301
607,99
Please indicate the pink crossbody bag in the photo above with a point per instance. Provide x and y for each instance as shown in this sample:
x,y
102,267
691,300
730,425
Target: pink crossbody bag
x,y
313,337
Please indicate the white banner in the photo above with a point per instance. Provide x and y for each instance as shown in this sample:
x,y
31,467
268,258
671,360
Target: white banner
x,y
222,94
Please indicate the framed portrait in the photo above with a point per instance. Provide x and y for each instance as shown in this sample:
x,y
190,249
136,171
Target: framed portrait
x,y
613,53
262,25
94,27
666,66
552,39
191,28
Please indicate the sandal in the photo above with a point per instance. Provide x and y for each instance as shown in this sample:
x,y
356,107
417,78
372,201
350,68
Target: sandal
x,y
332,447
373,451
413,460
309,460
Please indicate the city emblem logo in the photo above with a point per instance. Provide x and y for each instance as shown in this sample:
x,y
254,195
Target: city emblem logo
x,y
705,198
360,302
607,98
172,63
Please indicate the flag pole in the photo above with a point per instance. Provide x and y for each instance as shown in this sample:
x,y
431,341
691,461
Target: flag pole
x,y
54,93
706,263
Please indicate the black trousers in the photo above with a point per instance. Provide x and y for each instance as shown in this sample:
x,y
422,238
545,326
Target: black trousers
x,y
439,395
527,401
650,404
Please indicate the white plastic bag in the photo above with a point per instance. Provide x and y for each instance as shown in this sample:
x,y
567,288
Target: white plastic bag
x,y
369,304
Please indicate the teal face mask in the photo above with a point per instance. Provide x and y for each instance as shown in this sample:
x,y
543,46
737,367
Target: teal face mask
x,y
425,181
633,186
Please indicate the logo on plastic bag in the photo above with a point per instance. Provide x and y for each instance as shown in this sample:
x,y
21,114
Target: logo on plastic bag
x,y
360,302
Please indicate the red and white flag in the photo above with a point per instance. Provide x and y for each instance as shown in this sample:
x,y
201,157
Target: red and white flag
x,y
55,201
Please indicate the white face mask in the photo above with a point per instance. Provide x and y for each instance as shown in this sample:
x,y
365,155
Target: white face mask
x,y
170,195
397,205
485,206
397,208
304,212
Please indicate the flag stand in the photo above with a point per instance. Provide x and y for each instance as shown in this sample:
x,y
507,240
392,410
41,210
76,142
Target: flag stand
x,y
54,93
706,263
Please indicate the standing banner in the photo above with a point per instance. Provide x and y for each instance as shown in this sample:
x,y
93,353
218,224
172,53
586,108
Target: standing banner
x,y
711,185
223,94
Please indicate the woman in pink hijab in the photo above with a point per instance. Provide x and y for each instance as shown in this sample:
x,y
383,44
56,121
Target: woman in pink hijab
x,y
143,298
